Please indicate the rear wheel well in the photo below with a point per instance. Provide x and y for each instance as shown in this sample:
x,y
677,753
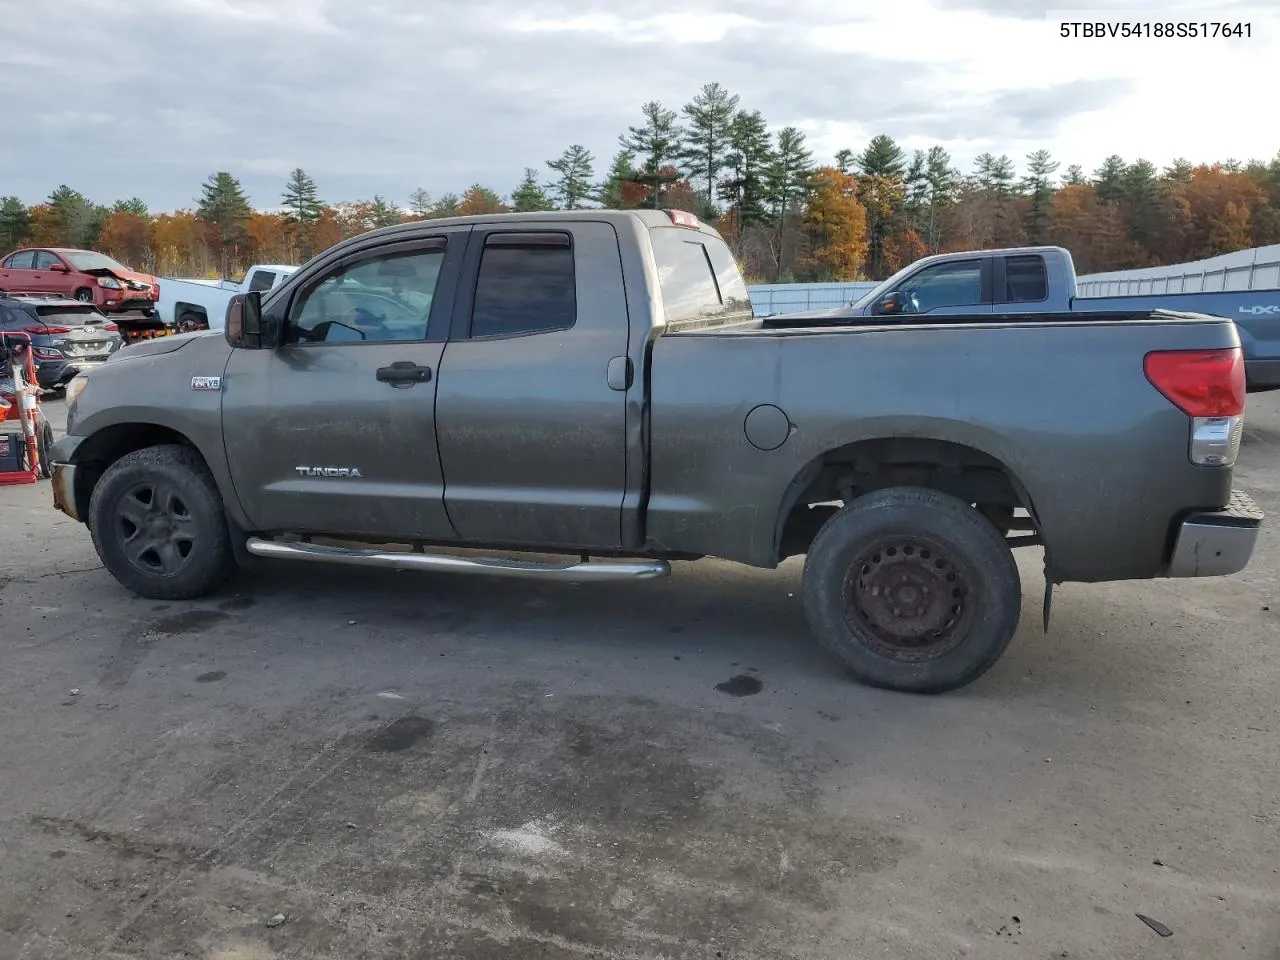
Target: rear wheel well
x,y
847,472
102,449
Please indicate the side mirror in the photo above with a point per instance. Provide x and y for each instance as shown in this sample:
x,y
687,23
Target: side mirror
x,y
890,303
243,327
59,268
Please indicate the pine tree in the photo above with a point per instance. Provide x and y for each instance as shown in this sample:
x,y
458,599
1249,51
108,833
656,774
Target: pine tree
x,y
789,181
573,185
882,158
1039,186
420,203
844,160
750,157
529,197
944,181
1108,179
447,206
1178,172
658,144
1074,177
301,198
709,118
224,205
622,170
133,206
74,215
15,222
383,213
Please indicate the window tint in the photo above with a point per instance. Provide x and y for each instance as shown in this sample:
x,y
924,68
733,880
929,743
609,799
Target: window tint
x,y
20,261
262,280
379,299
1025,279
691,290
44,260
526,284
954,284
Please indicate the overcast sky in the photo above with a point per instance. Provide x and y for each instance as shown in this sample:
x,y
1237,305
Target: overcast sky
x,y
121,98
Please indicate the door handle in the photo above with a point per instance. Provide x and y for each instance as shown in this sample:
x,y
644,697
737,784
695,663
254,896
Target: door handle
x,y
619,374
403,373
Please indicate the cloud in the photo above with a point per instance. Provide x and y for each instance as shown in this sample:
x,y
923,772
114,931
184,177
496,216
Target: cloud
x,y
395,94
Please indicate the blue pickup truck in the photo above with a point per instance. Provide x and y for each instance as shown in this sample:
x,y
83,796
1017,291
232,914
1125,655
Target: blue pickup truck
x,y
1043,280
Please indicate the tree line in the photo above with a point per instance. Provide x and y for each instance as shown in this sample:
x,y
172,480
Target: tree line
x,y
861,216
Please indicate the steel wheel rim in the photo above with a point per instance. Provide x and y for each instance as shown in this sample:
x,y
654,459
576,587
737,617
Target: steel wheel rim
x,y
155,528
85,296
909,597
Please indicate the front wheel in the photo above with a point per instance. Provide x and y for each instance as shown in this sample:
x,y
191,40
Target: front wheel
x,y
44,443
159,525
913,590
84,295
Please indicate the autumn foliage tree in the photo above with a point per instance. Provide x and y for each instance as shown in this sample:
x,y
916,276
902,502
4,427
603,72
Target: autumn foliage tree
x,y
837,225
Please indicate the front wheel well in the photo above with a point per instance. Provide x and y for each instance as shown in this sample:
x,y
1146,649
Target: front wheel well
x,y
100,450
855,469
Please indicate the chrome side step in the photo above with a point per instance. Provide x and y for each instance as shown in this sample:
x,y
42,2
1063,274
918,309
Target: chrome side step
x,y
574,571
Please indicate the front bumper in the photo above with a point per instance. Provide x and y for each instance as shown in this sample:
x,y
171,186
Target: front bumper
x,y
1216,543
57,373
63,477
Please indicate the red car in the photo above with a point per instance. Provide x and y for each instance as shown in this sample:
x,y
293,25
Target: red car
x,y
81,275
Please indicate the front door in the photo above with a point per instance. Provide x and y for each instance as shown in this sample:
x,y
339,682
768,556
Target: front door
x,y
334,430
531,406
50,280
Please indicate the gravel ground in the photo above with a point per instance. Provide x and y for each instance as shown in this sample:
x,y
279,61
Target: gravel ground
x,y
409,765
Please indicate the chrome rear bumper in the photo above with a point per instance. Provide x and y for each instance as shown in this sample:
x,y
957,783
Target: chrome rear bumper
x,y
1216,543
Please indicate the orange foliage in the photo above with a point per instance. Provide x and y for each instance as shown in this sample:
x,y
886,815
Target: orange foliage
x,y
1216,208
902,248
837,227
45,231
269,238
477,200
128,238
181,244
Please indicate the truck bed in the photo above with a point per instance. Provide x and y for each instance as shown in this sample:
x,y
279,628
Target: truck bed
x,y
1061,401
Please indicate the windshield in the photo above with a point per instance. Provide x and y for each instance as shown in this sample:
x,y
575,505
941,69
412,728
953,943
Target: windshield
x,y
88,260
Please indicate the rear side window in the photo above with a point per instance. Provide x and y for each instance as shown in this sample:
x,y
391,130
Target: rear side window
x,y
1026,279
262,280
526,284
20,261
701,284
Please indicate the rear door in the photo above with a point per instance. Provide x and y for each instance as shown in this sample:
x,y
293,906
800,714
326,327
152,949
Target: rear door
x,y
531,404
1020,283
16,273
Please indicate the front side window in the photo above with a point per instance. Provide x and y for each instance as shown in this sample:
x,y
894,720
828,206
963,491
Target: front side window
x,y
954,284
44,260
20,261
526,284
381,299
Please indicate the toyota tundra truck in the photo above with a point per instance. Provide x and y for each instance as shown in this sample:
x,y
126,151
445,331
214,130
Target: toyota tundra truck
x,y
586,396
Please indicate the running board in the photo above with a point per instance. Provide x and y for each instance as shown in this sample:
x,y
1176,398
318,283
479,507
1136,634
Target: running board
x,y
573,571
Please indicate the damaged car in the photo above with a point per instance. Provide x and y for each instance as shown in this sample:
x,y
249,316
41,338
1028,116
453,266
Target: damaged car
x,y
84,275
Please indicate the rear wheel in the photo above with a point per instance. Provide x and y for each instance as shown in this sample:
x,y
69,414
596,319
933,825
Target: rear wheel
x,y
159,525
84,295
190,321
913,590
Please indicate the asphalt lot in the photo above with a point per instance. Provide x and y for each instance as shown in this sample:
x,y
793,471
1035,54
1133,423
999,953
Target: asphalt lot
x,y
409,765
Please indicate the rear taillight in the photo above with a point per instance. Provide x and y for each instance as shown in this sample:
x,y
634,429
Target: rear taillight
x,y
155,290
111,327
47,330
1209,387
43,353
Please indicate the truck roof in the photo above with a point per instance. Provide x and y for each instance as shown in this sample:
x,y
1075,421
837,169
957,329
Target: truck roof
x,y
650,218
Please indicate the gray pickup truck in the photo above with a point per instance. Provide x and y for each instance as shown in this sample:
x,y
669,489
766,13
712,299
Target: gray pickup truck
x,y
1043,280
586,396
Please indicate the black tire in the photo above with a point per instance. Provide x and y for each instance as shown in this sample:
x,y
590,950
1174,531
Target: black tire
x,y
912,590
84,295
44,440
147,505
190,321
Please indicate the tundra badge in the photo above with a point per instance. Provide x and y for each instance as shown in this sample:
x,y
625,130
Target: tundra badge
x,y
329,472
206,383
